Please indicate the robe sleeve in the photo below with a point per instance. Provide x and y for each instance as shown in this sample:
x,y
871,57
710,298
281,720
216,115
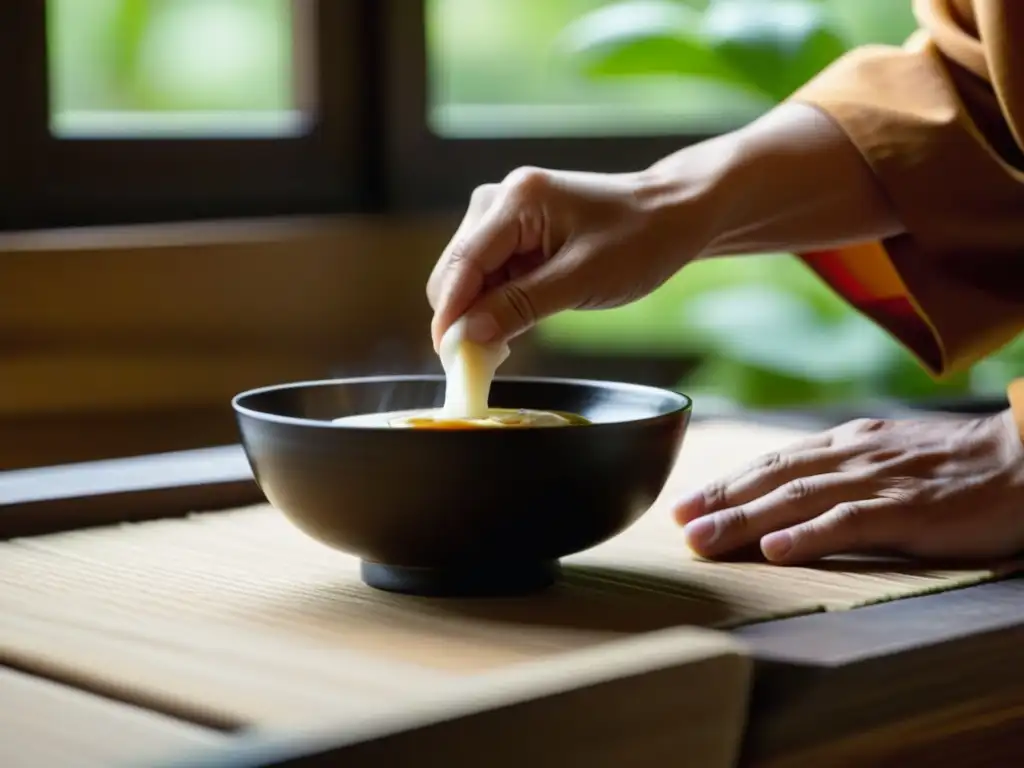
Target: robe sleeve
x,y
940,121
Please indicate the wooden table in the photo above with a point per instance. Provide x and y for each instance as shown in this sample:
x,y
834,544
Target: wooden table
x,y
935,680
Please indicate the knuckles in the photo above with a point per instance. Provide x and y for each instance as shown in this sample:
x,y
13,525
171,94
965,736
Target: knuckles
x,y
769,464
734,521
905,491
865,426
483,196
524,183
527,182
849,517
797,490
848,513
520,303
715,497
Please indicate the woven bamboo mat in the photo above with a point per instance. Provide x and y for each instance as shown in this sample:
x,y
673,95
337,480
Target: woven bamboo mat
x,y
237,619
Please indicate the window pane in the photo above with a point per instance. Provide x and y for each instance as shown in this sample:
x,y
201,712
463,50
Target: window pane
x,y
506,68
633,67
172,68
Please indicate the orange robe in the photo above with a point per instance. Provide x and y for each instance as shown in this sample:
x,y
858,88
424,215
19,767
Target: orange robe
x,y
941,123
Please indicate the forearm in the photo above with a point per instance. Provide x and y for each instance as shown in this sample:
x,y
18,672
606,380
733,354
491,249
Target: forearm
x,y
791,181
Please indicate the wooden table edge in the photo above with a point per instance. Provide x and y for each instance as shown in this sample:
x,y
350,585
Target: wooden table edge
x,y
51,499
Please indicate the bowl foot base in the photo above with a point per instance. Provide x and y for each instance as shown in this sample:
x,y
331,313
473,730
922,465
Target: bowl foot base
x,y
479,581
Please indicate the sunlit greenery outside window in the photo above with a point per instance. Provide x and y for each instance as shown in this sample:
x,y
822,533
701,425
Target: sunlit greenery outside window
x,y
765,331
171,67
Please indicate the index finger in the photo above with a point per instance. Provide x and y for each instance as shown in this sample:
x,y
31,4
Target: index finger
x,y
479,203
460,274
809,456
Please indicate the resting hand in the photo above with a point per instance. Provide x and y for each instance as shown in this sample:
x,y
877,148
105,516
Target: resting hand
x,y
929,488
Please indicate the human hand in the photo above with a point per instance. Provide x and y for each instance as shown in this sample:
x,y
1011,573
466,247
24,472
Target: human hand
x,y
543,241
928,488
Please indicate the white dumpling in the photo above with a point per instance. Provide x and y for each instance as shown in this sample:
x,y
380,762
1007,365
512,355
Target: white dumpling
x,y
469,369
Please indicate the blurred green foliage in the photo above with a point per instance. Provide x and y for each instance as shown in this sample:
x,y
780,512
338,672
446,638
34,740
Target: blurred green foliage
x,y
500,68
169,55
767,332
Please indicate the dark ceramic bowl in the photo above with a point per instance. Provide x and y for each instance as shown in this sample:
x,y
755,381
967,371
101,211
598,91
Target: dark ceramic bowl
x,y
474,511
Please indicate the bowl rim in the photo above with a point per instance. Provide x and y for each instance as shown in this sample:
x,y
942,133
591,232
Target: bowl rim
x,y
684,403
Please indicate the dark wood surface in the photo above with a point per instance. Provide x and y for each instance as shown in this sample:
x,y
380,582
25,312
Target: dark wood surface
x,y
891,684
38,501
825,678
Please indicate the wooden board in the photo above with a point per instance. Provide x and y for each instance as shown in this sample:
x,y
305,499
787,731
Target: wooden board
x,y
918,678
37,501
47,724
625,703
925,681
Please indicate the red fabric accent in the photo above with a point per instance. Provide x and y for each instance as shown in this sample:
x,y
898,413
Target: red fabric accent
x,y
896,314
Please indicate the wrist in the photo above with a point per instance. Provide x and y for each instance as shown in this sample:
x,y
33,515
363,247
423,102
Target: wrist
x,y
691,195
790,181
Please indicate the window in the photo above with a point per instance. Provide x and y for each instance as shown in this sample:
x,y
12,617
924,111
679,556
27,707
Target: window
x,y
148,110
177,69
476,89
506,69
142,110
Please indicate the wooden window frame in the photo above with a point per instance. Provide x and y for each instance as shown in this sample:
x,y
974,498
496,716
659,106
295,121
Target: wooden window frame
x,y
370,148
57,182
425,171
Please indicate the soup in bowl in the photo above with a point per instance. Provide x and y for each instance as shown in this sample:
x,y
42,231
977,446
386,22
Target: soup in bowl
x,y
469,371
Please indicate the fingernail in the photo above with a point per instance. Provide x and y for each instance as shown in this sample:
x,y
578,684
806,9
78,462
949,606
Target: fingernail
x,y
481,328
702,532
776,546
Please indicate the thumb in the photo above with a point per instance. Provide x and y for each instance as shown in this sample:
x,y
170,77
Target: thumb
x,y
516,306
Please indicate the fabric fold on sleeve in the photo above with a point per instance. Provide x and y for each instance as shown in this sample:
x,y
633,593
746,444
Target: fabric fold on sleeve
x,y
940,140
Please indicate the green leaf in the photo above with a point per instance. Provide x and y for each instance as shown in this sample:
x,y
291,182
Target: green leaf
x,y
660,323
777,331
887,22
643,38
777,45
655,323
755,387
905,379
130,26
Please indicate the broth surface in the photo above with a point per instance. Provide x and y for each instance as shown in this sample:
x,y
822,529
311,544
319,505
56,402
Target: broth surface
x,y
434,418
469,369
